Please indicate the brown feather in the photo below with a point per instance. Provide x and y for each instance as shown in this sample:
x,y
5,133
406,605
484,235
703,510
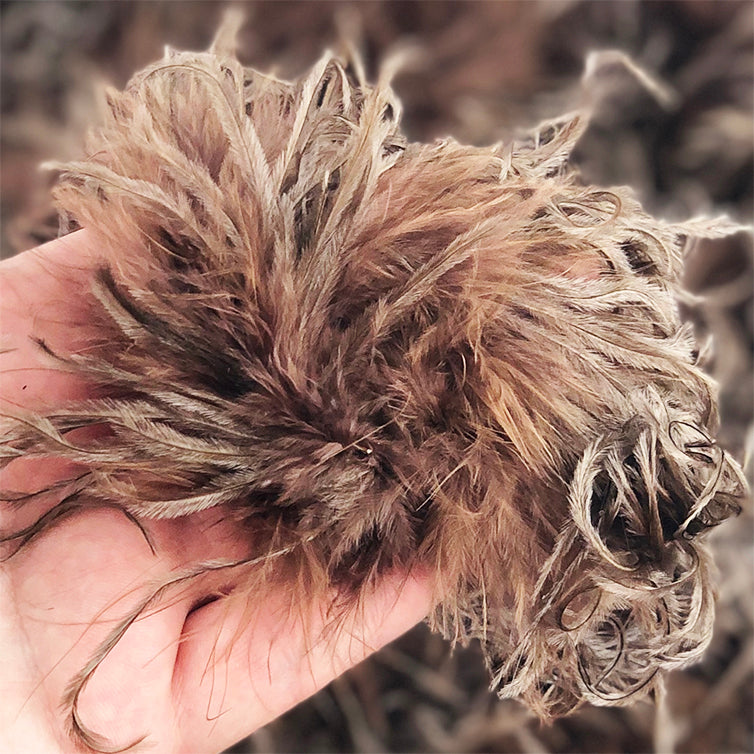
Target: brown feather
x,y
377,355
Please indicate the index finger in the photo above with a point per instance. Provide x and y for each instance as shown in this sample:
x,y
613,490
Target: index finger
x,y
45,295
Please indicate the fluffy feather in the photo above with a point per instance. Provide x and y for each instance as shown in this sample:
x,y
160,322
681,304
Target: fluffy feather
x,y
376,354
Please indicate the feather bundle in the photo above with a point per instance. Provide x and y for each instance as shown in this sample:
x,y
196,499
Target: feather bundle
x,y
376,354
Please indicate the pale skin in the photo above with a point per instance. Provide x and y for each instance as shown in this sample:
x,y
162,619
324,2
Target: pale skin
x,y
185,679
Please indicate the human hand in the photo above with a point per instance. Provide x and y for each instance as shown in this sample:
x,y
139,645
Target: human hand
x,y
186,676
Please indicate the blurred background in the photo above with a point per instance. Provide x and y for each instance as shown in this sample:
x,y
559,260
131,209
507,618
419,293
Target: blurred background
x,y
479,71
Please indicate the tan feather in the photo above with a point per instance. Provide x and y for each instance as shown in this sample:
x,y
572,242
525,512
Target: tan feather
x,y
376,355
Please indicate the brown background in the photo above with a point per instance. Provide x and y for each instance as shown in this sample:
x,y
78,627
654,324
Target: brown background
x,y
478,72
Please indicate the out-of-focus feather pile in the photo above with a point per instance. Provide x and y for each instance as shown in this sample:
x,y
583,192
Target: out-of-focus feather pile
x,y
378,354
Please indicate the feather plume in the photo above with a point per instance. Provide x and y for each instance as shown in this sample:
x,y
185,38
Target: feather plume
x,y
376,354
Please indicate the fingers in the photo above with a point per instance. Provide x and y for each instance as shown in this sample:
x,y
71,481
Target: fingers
x,y
128,697
45,293
241,665
73,587
70,588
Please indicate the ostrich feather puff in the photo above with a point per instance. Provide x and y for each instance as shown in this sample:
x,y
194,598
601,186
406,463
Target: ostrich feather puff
x,y
376,355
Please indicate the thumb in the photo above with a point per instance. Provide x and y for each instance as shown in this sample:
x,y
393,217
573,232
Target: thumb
x,y
241,666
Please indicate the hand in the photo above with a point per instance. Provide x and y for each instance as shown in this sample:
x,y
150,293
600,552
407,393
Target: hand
x,y
186,676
